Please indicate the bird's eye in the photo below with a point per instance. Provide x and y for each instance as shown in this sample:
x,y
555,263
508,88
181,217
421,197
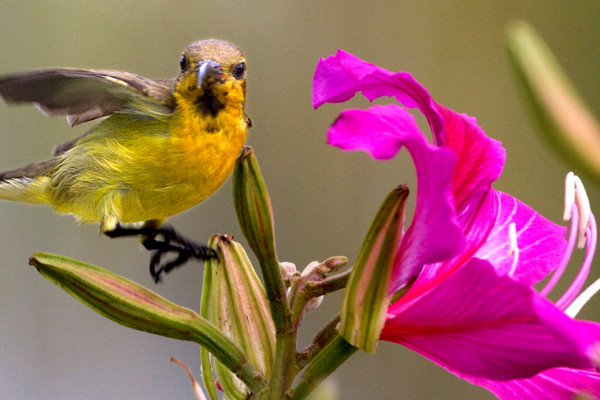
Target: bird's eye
x,y
183,63
238,71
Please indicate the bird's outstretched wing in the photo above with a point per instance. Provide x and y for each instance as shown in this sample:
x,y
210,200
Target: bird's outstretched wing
x,y
83,95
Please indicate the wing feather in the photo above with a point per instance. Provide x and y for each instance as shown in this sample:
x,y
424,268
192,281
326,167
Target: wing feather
x,y
84,95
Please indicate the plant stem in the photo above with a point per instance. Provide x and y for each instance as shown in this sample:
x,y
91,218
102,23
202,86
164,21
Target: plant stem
x,y
328,285
324,363
321,339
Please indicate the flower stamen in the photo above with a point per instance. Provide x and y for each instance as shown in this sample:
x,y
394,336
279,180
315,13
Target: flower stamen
x,y
583,228
569,195
570,212
513,249
585,211
587,227
573,230
592,237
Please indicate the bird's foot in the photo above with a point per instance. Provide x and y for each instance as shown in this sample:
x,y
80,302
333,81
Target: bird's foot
x,y
162,240
172,242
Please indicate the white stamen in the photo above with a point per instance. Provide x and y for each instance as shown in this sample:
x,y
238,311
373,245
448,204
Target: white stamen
x,y
582,299
513,248
583,203
569,195
577,304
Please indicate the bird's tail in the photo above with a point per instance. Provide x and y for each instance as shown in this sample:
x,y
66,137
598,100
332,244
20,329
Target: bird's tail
x,y
26,184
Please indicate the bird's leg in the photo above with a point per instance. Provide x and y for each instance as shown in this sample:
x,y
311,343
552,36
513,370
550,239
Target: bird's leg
x,y
171,241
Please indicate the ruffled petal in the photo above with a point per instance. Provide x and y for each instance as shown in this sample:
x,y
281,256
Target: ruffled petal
x,y
434,234
380,131
479,159
477,323
338,78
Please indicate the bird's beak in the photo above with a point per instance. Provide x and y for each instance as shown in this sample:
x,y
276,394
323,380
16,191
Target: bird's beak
x,y
209,72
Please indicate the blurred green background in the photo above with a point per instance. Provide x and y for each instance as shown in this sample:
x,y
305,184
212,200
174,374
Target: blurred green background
x,y
52,347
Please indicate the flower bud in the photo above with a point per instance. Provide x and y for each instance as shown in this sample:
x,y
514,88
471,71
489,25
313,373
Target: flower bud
x,y
367,298
234,300
139,308
253,209
253,206
563,118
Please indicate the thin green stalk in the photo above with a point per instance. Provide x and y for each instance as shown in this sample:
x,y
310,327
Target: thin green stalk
x,y
328,285
321,339
324,363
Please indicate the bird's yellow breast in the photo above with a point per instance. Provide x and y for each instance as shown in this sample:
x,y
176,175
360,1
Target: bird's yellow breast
x,y
131,169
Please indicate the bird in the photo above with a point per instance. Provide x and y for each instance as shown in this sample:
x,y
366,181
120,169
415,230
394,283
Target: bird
x,y
161,147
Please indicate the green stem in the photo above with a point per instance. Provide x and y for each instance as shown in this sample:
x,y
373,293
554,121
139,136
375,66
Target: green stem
x,y
284,368
321,339
328,285
324,363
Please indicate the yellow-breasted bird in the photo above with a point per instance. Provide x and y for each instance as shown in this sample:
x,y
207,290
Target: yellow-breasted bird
x,y
165,145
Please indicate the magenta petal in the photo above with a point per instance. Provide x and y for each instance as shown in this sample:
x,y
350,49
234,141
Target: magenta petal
x,y
480,159
379,131
553,384
541,242
480,324
338,78
434,234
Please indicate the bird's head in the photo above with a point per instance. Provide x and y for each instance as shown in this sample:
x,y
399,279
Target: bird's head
x,y
213,76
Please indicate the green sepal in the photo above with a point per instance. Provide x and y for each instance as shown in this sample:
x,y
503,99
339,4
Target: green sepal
x,y
134,306
562,116
366,298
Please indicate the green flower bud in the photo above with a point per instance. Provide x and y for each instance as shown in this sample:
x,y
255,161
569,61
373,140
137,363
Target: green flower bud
x,y
253,206
234,300
366,298
253,209
562,116
139,308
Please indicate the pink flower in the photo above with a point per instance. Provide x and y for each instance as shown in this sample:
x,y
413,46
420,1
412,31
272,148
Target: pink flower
x,y
472,307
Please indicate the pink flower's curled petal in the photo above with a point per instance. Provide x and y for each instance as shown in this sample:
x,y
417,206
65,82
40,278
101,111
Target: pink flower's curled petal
x,y
541,242
479,163
480,324
338,78
379,131
553,384
479,159
434,234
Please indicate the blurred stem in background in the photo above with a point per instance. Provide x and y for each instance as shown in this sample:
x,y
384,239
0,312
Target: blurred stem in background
x,y
562,117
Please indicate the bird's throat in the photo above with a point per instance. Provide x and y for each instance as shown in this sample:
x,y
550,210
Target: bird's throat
x,y
208,104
